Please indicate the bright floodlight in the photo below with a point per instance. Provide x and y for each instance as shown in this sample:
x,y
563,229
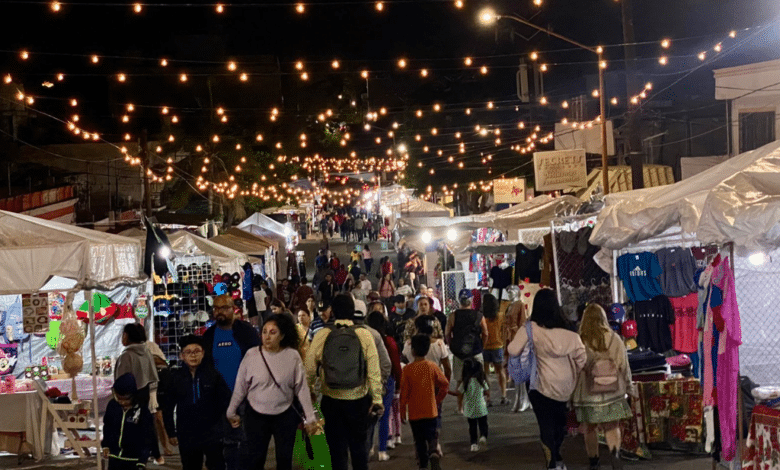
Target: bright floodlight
x,y
757,259
164,252
451,234
487,16
426,237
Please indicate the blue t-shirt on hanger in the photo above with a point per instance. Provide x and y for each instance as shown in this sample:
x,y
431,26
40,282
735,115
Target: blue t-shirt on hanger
x,y
639,273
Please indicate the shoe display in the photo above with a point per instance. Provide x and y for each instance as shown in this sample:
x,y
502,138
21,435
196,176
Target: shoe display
x,y
474,447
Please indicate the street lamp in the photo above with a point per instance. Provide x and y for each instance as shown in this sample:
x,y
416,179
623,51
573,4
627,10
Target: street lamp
x,y
488,16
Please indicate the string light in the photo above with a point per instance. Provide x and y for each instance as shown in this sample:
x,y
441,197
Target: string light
x,y
663,60
335,64
164,62
95,59
60,77
379,6
300,8
137,7
232,66
534,55
459,4
424,73
220,8
702,55
24,55
666,43
304,76
56,6
244,77
402,63
121,77
364,74
483,70
183,77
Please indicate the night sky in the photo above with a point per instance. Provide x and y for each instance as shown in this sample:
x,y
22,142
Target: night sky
x,y
429,34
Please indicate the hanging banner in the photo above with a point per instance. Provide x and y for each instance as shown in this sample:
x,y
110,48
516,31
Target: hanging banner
x,y
560,169
508,190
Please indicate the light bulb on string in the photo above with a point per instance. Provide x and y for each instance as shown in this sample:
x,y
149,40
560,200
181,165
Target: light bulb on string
x,y
666,43
304,76
95,59
220,8
424,73
243,77
663,60
702,55
483,70
300,8
183,77
60,77
379,6
137,7
335,64
467,61
364,74
232,66
402,63
55,6
121,77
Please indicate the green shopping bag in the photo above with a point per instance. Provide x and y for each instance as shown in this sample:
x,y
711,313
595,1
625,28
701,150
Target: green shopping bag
x,y
317,457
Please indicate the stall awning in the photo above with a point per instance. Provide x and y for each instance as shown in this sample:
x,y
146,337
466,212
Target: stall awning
x,y
32,250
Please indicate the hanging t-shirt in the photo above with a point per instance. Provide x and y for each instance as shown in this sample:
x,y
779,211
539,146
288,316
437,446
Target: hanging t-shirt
x,y
528,263
227,355
653,320
639,273
501,277
685,334
678,267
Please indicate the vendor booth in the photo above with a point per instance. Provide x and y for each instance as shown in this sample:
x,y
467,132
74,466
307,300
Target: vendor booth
x,y
697,266
266,227
262,251
44,265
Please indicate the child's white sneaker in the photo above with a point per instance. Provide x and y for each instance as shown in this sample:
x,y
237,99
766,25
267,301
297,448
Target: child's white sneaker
x,y
474,447
383,456
483,441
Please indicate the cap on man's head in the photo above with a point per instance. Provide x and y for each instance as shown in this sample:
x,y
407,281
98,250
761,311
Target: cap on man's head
x,y
322,306
125,385
464,295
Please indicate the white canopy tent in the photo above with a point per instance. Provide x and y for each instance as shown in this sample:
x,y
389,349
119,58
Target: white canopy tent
x,y
32,250
737,200
263,226
253,245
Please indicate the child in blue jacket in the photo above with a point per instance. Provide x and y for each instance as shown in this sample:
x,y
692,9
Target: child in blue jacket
x,y
128,428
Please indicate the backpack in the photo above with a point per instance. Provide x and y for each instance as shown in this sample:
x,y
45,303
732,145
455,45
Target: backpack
x,y
522,368
603,374
465,344
342,358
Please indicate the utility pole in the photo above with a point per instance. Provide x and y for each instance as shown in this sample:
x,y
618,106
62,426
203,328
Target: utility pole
x,y
146,164
632,88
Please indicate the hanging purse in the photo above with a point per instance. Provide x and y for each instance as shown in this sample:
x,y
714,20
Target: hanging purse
x,y
522,368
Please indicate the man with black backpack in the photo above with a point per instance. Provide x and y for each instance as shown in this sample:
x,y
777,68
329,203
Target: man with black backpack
x,y
466,333
345,359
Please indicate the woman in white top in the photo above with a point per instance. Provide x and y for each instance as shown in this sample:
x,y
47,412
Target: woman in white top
x,y
560,356
270,377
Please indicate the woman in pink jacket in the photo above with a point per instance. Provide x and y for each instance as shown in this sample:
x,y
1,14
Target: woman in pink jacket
x,y
560,357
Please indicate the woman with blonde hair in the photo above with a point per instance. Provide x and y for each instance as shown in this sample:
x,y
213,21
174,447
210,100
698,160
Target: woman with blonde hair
x,y
600,396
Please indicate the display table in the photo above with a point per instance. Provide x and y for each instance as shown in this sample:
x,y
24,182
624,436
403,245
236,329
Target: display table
x,y
84,387
22,414
763,441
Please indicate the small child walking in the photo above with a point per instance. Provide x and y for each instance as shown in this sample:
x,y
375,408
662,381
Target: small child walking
x,y
423,387
128,428
474,388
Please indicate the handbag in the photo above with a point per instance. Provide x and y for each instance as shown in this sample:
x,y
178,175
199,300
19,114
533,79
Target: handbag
x,y
297,407
522,368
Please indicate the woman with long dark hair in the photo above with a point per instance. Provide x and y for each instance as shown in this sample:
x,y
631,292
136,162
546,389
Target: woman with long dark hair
x,y
270,377
560,357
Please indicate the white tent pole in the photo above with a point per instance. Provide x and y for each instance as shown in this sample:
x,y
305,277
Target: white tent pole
x,y
99,453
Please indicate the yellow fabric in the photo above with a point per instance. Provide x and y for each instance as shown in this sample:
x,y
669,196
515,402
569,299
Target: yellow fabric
x,y
303,342
373,383
495,332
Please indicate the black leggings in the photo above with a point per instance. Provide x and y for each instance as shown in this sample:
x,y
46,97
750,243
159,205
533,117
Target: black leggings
x,y
259,430
483,428
551,416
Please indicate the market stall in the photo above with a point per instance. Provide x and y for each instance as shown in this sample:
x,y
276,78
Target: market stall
x,y
266,227
261,249
723,221
38,257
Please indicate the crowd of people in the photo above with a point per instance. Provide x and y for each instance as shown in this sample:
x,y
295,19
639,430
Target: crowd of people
x,y
371,354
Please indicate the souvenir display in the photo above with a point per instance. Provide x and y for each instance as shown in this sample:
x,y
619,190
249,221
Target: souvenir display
x,y
35,313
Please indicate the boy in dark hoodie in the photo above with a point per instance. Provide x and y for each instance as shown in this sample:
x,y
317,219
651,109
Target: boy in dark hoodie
x,y
128,428
200,397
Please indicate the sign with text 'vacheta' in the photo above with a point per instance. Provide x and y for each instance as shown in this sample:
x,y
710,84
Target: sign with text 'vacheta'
x,y
508,190
560,169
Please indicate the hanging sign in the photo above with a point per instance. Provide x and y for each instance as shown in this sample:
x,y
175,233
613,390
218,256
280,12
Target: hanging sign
x,y
508,190
560,169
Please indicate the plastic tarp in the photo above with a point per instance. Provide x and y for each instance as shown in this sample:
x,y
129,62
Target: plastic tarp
x,y
745,208
33,249
742,196
262,221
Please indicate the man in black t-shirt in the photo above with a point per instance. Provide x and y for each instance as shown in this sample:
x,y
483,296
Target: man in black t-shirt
x,y
466,333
